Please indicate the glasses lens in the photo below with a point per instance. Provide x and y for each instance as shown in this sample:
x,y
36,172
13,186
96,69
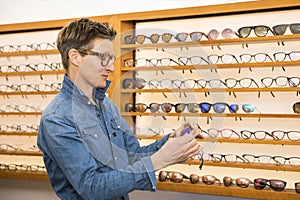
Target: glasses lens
x,y
190,83
166,83
208,179
194,178
163,176
227,33
213,34
154,38
279,56
166,37
244,31
277,185
140,107
233,108
128,83
153,83
129,39
196,36
176,84
242,182
197,60
181,37
226,133
176,177
294,81
260,183
182,60
248,108
227,181
228,58
140,83
261,30
219,107
140,39
179,108
215,83
193,107
295,28
213,132
297,187
166,107
205,107
295,55
280,29
154,107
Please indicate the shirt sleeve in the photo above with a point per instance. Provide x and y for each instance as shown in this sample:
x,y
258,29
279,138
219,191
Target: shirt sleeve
x,y
61,143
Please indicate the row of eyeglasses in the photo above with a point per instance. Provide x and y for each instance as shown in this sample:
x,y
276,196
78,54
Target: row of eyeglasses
x,y
214,59
204,107
227,33
22,168
31,67
225,133
41,87
259,183
27,47
18,128
293,161
20,147
19,108
266,82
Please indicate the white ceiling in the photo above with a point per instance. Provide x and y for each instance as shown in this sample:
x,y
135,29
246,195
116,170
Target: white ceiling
x,y
16,11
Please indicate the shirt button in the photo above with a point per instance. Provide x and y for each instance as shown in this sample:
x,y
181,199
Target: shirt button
x,y
89,103
95,135
116,158
119,126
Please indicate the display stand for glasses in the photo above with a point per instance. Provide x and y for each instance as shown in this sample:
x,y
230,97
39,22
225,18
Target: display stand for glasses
x,y
125,25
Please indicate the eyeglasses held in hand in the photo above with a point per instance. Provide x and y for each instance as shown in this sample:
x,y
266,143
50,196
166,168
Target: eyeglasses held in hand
x,y
261,183
175,177
105,58
260,31
280,29
206,179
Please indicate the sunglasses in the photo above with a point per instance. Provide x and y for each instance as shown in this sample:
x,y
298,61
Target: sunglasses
x,y
297,187
280,29
260,31
207,179
227,33
259,135
175,177
132,83
220,107
241,182
195,36
296,107
261,183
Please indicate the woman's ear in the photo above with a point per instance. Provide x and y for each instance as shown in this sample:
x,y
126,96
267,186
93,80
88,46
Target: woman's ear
x,y
74,57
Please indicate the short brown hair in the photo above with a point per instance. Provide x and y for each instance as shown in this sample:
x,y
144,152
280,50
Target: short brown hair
x,y
80,33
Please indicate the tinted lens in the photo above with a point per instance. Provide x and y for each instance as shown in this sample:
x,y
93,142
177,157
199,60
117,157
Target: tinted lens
x,y
140,39
208,179
213,34
179,108
140,107
166,37
154,38
248,108
193,107
166,107
129,107
297,187
128,83
242,182
205,107
163,176
181,37
194,178
176,177
129,39
244,31
295,28
140,83
261,30
233,108
227,33
219,107
196,36
277,185
279,29
154,107
260,183
227,181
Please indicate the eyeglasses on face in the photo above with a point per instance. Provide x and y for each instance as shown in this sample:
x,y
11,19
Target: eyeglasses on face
x,y
259,57
291,135
175,177
106,58
281,81
225,59
206,179
241,182
282,56
280,29
260,31
261,183
259,135
225,133
195,36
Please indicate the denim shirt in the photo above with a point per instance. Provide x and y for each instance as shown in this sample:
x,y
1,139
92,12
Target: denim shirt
x,y
92,153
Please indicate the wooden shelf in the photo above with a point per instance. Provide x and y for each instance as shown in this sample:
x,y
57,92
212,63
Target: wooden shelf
x,y
29,93
32,73
234,115
245,165
214,66
232,41
270,89
21,153
19,133
24,175
29,53
232,191
234,140
20,113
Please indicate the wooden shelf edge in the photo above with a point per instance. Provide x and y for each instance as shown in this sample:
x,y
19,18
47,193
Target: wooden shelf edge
x,y
21,153
29,53
232,191
24,175
32,73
